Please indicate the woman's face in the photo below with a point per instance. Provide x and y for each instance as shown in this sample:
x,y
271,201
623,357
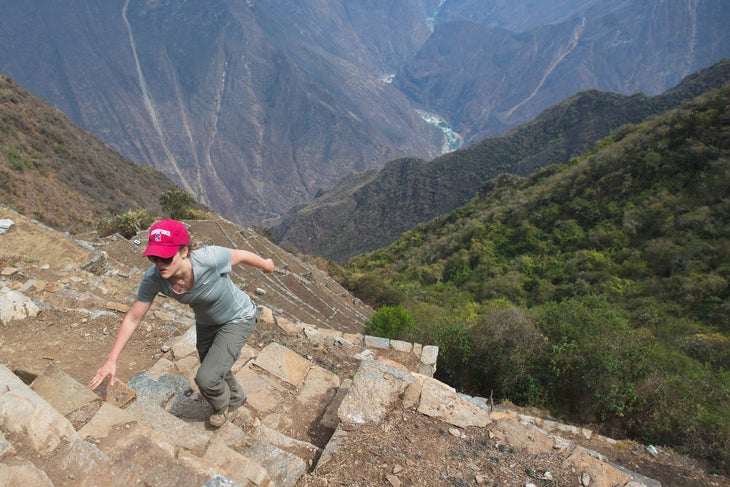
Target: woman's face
x,y
172,266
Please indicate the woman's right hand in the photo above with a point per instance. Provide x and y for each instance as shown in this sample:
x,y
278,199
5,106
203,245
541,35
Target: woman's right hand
x,y
108,369
129,323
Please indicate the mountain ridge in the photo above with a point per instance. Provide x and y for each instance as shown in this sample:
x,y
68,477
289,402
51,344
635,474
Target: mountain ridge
x,y
548,54
405,192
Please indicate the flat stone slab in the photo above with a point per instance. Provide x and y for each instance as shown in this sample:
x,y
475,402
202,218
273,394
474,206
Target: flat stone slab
x,y
320,386
105,418
22,411
375,388
441,401
62,391
262,393
143,462
177,430
283,363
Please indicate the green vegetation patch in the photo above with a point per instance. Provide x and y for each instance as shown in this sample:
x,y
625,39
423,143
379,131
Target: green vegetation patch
x,y
598,289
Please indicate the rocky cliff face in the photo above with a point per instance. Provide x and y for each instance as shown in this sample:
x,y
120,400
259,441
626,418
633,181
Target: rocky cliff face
x,y
491,65
254,107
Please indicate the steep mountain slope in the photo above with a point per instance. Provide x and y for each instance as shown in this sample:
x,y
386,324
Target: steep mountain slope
x,y
255,107
252,107
549,51
374,209
60,174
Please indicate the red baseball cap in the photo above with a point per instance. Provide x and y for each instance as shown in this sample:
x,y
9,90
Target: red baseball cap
x,y
166,237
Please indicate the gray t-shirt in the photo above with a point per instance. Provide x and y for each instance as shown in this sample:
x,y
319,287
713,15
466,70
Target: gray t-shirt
x,y
214,298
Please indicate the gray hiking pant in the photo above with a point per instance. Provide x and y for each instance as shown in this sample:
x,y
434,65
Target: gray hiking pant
x,y
218,348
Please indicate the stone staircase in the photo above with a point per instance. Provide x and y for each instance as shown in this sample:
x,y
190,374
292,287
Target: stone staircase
x,y
152,431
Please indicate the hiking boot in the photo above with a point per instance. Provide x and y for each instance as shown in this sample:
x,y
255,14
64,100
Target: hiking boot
x,y
217,420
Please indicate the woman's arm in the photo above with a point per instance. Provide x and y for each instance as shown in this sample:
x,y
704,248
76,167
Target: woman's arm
x,y
239,256
130,322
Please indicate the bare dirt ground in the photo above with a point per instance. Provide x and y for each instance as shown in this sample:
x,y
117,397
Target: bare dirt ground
x,y
413,448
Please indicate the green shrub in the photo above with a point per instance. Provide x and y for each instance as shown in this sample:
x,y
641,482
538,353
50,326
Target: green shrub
x,y
195,214
708,348
689,410
457,268
390,322
510,286
127,224
18,161
595,360
448,331
568,234
506,346
661,256
372,290
177,203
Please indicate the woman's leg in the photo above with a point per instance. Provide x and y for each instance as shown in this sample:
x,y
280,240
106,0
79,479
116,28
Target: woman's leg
x,y
219,347
237,397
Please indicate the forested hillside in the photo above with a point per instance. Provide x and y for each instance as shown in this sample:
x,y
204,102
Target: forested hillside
x,y
597,289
